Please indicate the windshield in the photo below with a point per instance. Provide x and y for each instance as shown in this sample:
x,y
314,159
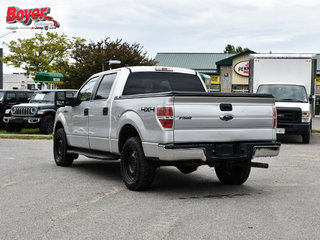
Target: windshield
x,y
285,93
42,97
1,96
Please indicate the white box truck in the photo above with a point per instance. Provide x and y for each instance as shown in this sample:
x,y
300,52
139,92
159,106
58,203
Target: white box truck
x,y
291,79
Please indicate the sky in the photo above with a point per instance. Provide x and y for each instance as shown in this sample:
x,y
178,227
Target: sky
x,y
279,26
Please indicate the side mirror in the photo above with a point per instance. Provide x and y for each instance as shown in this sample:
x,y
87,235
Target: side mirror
x,y
72,101
60,99
311,99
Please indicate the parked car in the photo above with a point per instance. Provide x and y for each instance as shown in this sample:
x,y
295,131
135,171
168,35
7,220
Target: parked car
x,y
38,113
159,116
8,98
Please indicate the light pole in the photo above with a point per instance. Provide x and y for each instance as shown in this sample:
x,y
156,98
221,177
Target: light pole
x,y
1,64
14,31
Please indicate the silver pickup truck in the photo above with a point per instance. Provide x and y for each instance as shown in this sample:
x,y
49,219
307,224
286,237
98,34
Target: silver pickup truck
x,y
150,117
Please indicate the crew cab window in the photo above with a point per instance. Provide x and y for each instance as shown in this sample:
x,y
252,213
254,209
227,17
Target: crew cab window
x,y
86,91
105,86
22,97
155,82
11,97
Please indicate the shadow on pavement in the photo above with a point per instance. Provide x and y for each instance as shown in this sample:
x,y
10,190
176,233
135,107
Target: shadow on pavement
x,y
170,182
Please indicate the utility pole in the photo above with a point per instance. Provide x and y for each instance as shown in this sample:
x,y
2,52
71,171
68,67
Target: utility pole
x,y
1,64
1,69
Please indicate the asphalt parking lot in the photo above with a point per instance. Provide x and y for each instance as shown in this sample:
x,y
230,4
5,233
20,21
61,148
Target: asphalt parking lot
x,y
89,201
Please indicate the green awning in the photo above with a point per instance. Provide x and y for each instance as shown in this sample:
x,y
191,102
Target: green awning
x,y
49,77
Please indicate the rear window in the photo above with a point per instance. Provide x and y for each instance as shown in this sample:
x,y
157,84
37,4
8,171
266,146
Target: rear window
x,y
155,82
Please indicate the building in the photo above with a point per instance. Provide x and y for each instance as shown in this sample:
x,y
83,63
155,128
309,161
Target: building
x,y
18,81
228,72
21,82
202,62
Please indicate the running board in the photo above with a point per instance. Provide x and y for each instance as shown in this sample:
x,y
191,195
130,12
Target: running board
x,y
93,154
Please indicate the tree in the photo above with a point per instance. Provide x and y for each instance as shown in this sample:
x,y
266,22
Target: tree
x,y
89,58
231,49
41,53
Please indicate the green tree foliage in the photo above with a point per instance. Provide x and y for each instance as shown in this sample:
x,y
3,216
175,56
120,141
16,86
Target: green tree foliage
x,y
41,53
232,49
88,59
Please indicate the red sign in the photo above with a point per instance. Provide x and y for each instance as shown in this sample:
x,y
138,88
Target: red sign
x,y
25,16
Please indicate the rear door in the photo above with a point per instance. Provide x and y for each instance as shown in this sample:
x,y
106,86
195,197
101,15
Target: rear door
x,y
222,119
99,114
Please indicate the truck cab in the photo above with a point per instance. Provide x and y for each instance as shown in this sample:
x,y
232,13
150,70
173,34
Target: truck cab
x,y
294,108
290,78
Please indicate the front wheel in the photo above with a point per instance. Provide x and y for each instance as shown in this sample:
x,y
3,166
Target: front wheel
x,y
9,127
306,137
136,171
46,125
229,173
60,149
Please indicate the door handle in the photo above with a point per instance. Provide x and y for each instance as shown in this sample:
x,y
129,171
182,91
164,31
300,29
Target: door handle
x,y
105,111
86,111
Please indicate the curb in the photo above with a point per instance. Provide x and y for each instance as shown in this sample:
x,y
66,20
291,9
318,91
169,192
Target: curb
x,y
26,136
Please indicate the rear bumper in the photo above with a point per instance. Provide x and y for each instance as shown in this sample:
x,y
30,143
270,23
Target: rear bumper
x,y
218,151
295,128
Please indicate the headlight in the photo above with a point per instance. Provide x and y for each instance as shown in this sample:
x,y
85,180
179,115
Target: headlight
x,y
8,111
13,110
306,116
41,112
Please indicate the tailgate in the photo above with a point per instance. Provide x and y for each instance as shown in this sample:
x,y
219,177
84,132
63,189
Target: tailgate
x,y
223,118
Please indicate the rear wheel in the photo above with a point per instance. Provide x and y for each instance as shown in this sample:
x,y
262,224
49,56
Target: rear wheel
x,y
229,173
136,171
46,125
60,149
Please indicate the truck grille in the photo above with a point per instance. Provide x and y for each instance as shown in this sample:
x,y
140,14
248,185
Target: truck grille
x,y
23,111
289,115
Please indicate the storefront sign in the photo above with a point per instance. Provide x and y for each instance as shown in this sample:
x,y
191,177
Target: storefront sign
x,y
242,68
215,79
318,80
26,16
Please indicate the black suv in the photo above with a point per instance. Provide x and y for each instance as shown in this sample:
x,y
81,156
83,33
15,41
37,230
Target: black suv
x,y
38,113
8,98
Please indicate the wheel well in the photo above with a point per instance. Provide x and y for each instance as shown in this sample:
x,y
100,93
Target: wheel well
x,y
127,132
53,114
58,125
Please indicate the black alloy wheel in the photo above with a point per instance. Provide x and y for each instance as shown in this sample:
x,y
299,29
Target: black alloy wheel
x,y
136,170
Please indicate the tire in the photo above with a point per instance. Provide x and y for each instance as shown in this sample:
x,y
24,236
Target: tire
x,y
60,149
187,169
46,125
9,127
306,137
136,171
232,174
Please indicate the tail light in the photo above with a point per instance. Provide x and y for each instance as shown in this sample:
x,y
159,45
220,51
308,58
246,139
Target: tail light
x,y
165,117
274,117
